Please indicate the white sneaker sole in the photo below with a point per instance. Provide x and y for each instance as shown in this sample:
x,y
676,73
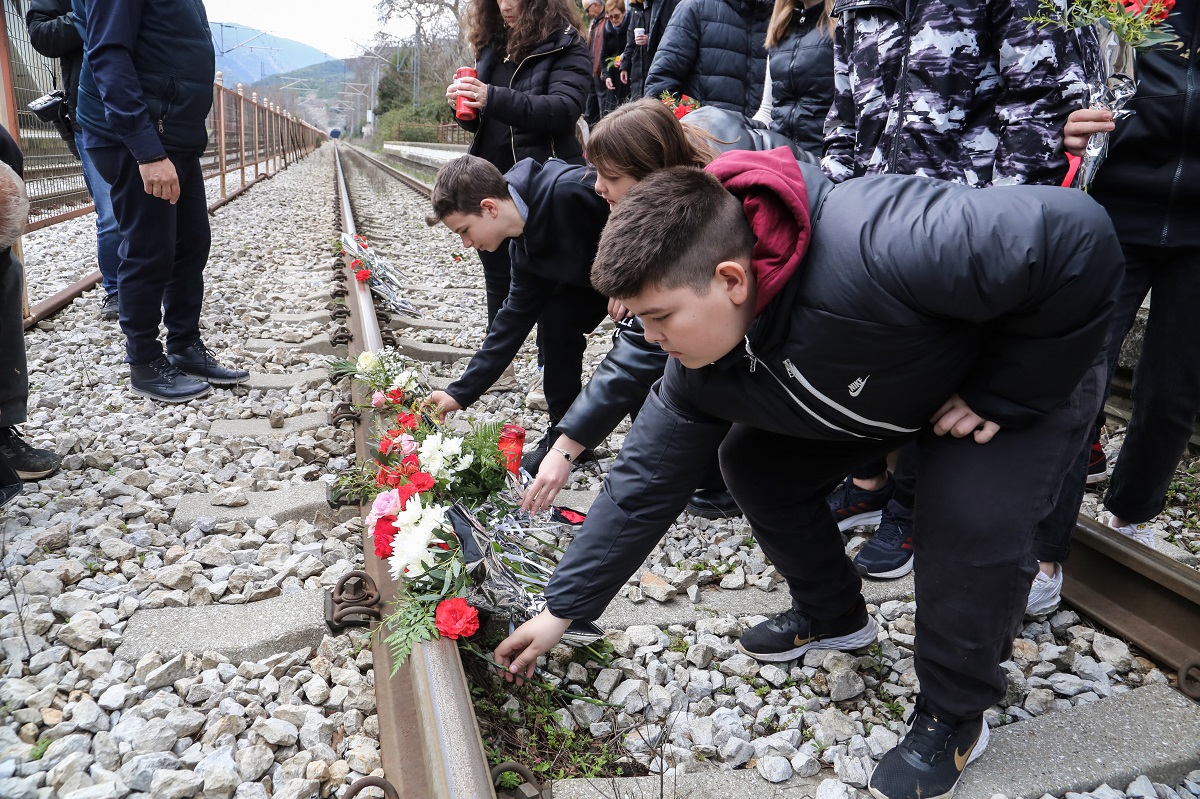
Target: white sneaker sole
x,y
1100,477
861,520
894,573
980,746
857,640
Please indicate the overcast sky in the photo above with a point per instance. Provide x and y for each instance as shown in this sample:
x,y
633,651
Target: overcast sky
x,y
332,27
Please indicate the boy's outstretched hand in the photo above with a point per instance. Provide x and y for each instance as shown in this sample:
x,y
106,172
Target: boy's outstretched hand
x,y
956,418
519,652
443,404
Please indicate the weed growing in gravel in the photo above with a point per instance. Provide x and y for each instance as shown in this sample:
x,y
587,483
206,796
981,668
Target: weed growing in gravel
x,y
39,749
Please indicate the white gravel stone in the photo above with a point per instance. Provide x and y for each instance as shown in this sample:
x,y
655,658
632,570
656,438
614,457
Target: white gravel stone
x,y
773,768
175,784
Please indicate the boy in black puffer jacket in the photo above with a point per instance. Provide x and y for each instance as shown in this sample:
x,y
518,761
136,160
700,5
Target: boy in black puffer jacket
x,y
811,327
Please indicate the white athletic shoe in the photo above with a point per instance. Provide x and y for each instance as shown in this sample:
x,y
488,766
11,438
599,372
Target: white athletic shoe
x,y
1044,593
1142,533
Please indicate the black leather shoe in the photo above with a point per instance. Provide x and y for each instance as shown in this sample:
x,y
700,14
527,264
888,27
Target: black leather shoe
x,y
196,361
713,503
161,381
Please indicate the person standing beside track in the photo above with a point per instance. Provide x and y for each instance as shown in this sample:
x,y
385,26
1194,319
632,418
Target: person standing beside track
x,y
1150,185
145,91
15,453
533,73
52,33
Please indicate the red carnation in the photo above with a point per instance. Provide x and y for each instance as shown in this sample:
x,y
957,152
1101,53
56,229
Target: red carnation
x,y
423,481
387,477
362,275
356,263
454,617
406,492
385,533
407,421
681,111
1132,7
395,395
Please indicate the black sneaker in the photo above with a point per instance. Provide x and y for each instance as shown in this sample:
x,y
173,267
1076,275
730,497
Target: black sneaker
x,y
889,553
10,483
196,361
713,503
792,633
27,462
160,380
109,309
930,759
857,507
1097,465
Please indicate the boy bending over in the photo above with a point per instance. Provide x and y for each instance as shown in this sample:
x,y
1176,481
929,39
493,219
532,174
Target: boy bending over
x,y
550,217
812,327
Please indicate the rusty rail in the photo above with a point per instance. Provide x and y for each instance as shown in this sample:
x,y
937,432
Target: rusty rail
x,y
430,741
1142,595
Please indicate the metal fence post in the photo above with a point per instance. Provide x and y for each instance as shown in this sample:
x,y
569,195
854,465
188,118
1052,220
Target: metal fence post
x,y
221,130
242,133
254,105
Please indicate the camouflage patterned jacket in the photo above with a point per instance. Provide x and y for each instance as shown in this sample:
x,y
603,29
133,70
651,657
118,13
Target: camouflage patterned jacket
x,y
963,90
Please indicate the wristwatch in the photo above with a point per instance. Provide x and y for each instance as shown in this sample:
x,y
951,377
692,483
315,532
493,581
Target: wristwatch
x,y
563,452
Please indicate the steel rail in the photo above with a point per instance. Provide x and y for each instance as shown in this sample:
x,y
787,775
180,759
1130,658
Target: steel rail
x,y
1146,597
430,741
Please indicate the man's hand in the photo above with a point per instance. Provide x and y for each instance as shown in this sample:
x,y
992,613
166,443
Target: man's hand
x,y
1081,124
443,404
552,475
956,418
519,652
161,180
624,77
608,82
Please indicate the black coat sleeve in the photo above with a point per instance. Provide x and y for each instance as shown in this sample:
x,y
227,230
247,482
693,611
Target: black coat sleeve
x,y
618,387
52,29
664,458
527,296
677,54
558,109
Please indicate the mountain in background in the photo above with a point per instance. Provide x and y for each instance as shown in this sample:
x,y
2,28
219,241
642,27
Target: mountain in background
x,y
246,55
311,90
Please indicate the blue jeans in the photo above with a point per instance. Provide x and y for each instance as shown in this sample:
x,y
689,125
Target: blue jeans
x,y
163,253
108,235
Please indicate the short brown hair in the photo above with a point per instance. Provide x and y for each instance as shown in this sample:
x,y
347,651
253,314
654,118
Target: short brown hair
x,y
462,184
670,230
642,137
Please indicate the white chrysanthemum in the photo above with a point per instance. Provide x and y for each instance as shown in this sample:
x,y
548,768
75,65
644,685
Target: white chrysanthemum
x,y
415,527
405,380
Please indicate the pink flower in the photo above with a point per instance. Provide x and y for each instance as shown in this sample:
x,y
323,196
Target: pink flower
x,y
387,503
408,445
378,399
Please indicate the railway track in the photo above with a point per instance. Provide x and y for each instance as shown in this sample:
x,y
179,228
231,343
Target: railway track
x,y
430,739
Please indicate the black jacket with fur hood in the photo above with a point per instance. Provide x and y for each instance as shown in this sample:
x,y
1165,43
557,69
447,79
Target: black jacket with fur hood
x,y
910,290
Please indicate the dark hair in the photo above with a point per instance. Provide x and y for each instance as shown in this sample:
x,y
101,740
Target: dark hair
x,y
462,184
783,19
643,137
537,21
670,230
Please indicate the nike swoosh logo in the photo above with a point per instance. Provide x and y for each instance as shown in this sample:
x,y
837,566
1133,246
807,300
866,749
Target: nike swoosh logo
x,y
858,385
960,758
802,641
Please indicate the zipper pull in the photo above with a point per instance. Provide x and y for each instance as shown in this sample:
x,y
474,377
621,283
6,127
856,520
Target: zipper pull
x,y
160,126
750,354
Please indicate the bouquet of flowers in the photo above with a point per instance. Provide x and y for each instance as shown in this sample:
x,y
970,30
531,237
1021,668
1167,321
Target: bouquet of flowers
x,y
377,272
430,483
681,107
1109,31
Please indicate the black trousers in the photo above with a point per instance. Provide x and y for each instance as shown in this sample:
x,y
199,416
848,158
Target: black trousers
x,y
163,252
974,523
14,372
572,313
1166,393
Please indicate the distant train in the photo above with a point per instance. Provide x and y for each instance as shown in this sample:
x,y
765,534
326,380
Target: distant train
x,y
336,133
